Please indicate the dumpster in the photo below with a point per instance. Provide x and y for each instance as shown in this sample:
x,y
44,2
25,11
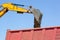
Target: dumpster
x,y
51,33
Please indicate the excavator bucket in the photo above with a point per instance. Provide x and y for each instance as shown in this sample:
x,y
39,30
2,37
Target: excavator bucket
x,y
37,17
37,14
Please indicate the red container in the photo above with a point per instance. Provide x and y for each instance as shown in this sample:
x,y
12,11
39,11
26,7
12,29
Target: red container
x,y
52,33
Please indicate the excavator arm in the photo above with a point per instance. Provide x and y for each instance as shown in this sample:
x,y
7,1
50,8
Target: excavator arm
x,y
3,11
13,7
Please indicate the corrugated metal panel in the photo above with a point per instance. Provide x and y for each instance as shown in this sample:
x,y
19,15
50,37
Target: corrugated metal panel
x,y
52,33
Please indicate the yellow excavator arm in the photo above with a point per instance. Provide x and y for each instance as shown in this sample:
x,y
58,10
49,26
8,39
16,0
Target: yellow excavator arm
x,y
12,7
3,11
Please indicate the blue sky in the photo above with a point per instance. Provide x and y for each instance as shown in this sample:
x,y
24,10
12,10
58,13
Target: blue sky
x,y
12,20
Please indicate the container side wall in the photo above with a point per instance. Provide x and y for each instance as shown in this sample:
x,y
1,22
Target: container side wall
x,y
27,35
58,34
15,35
34,34
37,35
49,34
